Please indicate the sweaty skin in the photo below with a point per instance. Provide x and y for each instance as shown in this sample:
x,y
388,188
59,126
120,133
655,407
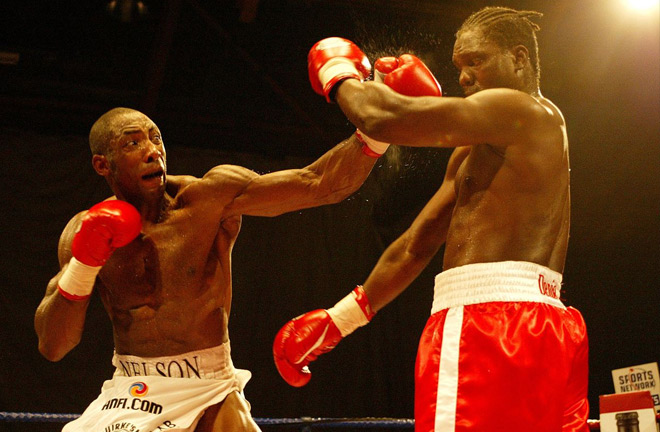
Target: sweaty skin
x,y
180,263
512,198
169,291
505,195
512,203
502,214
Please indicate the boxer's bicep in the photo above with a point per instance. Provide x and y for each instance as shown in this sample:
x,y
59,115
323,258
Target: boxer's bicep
x,y
229,187
277,193
66,238
329,179
241,191
499,117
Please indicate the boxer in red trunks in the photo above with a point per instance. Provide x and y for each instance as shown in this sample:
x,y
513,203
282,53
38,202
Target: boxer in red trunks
x,y
500,351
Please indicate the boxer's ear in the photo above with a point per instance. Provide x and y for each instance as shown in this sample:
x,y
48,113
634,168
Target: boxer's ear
x,y
101,164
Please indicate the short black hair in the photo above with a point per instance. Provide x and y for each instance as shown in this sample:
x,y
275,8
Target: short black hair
x,y
102,130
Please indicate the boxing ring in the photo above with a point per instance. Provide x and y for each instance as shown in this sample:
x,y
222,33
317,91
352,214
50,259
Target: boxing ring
x,y
304,424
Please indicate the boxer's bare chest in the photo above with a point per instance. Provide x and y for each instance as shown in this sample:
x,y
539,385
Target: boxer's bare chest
x,y
476,173
171,260
169,288
487,208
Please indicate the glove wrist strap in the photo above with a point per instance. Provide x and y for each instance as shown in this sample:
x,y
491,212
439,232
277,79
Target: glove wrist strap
x,y
337,67
351,312
77,281
335,71
370,146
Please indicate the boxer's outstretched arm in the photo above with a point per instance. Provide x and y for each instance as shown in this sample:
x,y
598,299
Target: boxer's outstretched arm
x,y
330,179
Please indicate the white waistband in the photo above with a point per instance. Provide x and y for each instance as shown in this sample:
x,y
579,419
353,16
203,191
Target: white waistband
x,y
209,363
506,281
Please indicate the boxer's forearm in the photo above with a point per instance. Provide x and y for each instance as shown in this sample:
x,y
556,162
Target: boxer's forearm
x,y
59,323
330,179
342,170
367,105
396,269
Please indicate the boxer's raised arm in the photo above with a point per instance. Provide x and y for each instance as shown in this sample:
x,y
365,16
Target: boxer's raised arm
x,y
86,243
500,117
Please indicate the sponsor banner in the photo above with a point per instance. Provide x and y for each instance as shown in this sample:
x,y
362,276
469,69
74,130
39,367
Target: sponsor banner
x,y
638,378
137,402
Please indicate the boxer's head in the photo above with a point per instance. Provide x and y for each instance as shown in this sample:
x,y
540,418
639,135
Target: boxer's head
x,y
496,34
128,151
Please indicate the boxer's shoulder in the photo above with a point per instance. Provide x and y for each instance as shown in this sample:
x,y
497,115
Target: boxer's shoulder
x,y
176,183
231,178
223,182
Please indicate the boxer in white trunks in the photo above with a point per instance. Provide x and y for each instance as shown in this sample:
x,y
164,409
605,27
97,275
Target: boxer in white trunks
x,y
158,253
143,395
500,351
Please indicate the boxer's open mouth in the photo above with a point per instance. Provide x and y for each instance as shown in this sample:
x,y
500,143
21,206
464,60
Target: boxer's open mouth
x,y
155,174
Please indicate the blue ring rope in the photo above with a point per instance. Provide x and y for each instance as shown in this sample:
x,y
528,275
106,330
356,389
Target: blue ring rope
x,y
368,422
365,422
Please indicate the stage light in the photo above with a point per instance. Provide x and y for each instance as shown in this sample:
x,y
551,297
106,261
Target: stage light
x,y
127,10
642,5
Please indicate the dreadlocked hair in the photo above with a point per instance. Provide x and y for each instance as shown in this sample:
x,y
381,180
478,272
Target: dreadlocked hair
x,y
508,28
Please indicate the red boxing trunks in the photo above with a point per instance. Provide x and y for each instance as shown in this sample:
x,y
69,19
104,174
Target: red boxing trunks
x,y
500,352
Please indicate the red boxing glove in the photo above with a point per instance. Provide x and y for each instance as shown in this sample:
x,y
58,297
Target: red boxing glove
x,y
332,60
105,227
300,341
407,75
304,338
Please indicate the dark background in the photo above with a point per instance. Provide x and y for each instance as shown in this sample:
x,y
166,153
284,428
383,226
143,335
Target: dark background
x,y
227,83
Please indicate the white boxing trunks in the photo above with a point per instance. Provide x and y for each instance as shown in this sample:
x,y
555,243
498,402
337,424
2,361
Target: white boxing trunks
x,y
501,352
162,393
